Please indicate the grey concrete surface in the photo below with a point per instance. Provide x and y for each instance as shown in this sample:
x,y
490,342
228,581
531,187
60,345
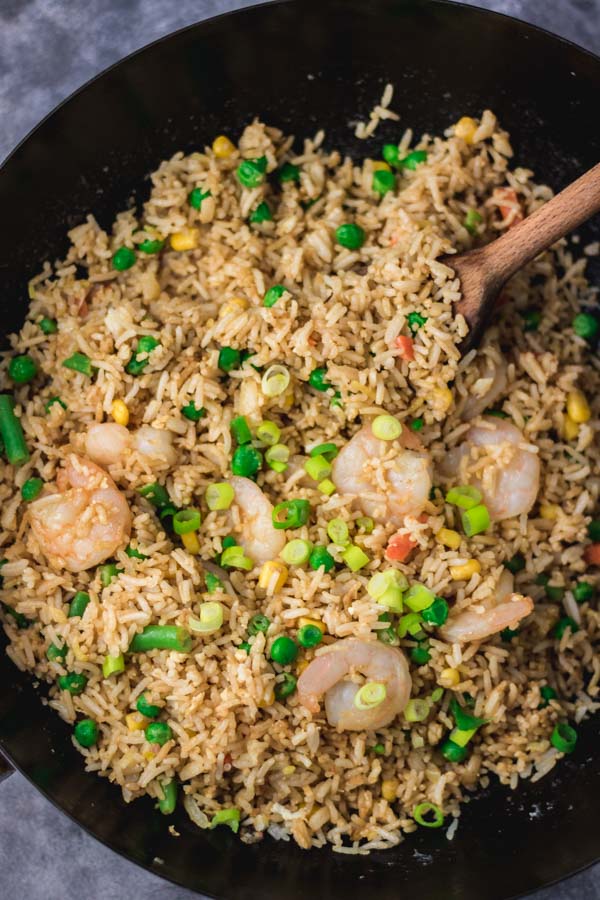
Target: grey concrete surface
x,y
47,49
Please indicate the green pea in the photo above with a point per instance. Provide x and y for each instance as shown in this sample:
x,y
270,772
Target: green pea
x,y
309,636
150,710
383,181
158,733
54,653
72,682
257,624
48,326
251,172
22,369
123,258
86,732
285,687
350,235
284,650
31,489
196,197
262,213
229,359
289,172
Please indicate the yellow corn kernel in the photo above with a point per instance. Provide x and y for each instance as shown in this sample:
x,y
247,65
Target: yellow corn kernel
x,y
273,575
304,620
389,789
235,305
289,770
148,755
223,147
191,543
267,699
31,289
301,666
449,538
570,428
78,653
443,398
466,571
186,239
549,511
465,128
120,412
449,678
578,409
136,721
380,165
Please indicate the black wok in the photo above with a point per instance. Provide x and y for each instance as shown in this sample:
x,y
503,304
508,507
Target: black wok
x,y
302,65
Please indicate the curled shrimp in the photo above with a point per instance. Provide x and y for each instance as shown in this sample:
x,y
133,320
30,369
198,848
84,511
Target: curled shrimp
x,y
390,479
377,662
504,610
257,535
107,443
509,474
84,523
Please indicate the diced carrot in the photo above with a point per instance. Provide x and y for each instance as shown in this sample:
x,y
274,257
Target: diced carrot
x,y
591,554
510,211
399,547
406,347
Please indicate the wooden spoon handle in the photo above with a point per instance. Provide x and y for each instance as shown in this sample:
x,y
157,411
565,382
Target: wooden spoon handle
x,y
541,229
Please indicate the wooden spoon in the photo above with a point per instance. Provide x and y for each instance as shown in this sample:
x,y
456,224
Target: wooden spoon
x,y
484,271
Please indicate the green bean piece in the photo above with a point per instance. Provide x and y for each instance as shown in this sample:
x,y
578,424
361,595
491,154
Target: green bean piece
x,y
78,604
162,637
11,432
169,797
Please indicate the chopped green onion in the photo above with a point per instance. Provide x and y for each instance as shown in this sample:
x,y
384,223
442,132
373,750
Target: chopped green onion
x,y
289,172
275,381
246,461
158,733
350,236
410,624
320,556
48,326
416,710
261,213
151,245
355,558
586,326
186,520
219,496
475,520
291,514
258,624
418,597
386,428
326,486
134,553
268,433
465,496
309,636
383,181
387,635
113,665
196,196
415,321
229,359
251,172
168,801
31,489
437,613
317,467
79,362
583,591
453,752
241,430
284,650
563,737
229,817
413,159
515,564
11,432
387,587
22,369
274,294
366,524
48,406
123,259
86,732
78,604
161,637
464,720
428,815
472,220
228,541
337,530
150,710
211,618
296,552
329,451
370,695
277,457
233,558
155,494
286,686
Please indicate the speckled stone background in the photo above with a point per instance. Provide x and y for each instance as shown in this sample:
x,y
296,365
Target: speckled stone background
x,y
47,49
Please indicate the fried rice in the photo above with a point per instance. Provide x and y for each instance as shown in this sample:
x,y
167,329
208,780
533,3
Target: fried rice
x,y
233,744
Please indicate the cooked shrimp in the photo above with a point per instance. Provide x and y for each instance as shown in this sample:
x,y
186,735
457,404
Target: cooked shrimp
x,y
509,481
259,538
85,522
504,610
486,389
390,479
377,662
107,443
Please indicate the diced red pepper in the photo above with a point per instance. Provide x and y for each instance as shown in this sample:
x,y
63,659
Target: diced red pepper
x,y
591,554
399,547
406,347
509,214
